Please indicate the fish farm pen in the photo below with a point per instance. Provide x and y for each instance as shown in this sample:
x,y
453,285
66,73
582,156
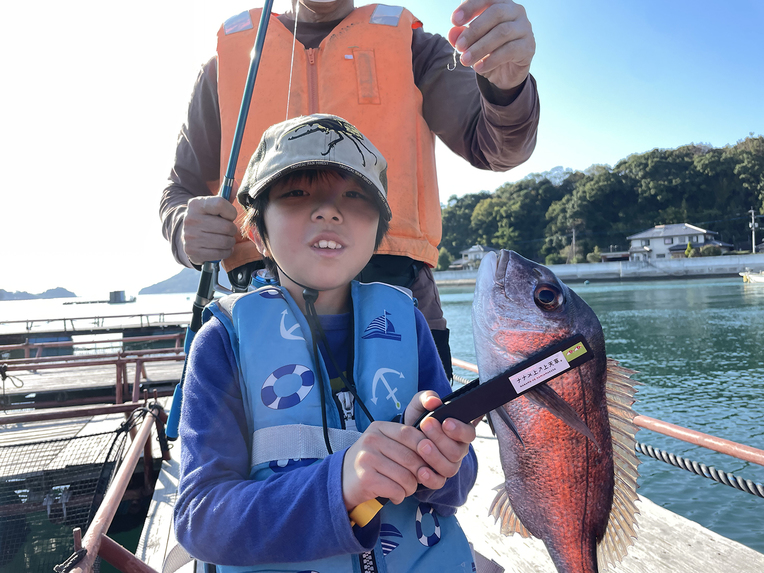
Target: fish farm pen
x,y
67,423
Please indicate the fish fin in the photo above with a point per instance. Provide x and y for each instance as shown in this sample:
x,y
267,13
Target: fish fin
x,y
489,421
502,509
545,397
622,522
508,421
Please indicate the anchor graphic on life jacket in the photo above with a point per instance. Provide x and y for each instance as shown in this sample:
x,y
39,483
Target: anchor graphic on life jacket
x,y
286,334
380,375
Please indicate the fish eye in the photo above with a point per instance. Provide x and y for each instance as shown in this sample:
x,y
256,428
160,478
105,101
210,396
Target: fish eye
x,y
548,297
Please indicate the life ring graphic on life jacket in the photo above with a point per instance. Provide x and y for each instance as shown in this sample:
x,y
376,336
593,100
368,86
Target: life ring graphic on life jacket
x,y
427,540
270,293
281,466
276,402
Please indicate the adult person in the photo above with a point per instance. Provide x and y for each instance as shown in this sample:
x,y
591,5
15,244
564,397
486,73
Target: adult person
x,y
376,67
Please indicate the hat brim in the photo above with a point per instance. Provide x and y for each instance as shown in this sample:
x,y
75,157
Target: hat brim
x,y
247,194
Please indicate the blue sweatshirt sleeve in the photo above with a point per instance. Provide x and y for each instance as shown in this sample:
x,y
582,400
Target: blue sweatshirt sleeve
x,y
223,517
432,377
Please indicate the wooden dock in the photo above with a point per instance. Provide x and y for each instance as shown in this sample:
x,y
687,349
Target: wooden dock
x,y
667,543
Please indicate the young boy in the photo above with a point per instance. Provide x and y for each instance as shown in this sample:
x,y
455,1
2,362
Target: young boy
x,y
291,389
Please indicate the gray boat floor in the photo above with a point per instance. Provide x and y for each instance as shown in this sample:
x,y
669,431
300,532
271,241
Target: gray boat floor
x,y
667,542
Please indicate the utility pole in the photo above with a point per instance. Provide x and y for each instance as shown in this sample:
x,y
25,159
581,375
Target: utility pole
x,y
753,226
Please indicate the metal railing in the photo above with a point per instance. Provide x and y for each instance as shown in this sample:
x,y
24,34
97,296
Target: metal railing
x,y
95,543
119,360
68,323
38,347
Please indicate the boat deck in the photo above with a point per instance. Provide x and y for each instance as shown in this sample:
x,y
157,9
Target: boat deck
x,y
667,542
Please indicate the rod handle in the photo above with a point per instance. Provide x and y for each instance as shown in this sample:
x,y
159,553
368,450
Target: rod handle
x,y
362,514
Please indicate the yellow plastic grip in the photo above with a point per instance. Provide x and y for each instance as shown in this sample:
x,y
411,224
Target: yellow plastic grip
x,y
362,514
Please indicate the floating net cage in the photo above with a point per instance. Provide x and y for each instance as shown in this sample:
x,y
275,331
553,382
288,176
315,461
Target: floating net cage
x,y
47,489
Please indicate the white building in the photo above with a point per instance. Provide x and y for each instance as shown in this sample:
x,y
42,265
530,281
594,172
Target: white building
x,y
670,241
471,257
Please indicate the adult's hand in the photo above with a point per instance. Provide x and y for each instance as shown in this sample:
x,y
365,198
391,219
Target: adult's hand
x,y
498,42
209,233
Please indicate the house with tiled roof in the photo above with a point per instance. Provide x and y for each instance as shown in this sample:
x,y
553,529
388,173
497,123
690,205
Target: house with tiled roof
x,y
670,242
471,257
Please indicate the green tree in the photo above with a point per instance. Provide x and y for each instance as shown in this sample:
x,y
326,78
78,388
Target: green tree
x,y
444,259
688,251
595,256
536,216
710,251
457,234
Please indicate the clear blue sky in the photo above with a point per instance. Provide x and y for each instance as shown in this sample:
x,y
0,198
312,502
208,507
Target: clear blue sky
x,y
94,95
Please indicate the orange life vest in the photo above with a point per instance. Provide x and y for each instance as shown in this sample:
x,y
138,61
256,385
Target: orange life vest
x,y
362,72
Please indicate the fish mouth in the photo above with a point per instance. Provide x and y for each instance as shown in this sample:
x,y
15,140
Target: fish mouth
x,y
493,269
501,266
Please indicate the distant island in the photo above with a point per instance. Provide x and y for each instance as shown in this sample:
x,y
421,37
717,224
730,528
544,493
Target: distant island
x,y
186,280
57,292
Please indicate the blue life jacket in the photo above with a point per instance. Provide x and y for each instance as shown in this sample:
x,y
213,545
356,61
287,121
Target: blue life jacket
x,y
272,343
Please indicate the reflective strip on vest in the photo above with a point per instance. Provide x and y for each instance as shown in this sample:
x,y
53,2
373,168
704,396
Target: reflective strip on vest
x,y
386,15
297,442
238,23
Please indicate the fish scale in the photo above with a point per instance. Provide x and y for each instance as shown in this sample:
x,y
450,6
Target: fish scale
x,y
575,494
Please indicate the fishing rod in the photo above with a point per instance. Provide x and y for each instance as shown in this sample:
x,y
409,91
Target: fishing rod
x,y
208,278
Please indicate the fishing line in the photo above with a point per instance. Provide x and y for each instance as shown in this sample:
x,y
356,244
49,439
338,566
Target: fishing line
x,y
291,66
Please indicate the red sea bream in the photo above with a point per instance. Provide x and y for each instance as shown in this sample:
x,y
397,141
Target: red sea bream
x,y
572,486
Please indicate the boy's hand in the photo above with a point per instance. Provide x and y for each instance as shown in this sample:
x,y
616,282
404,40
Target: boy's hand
x,y
382,463
498,43
445,445
209,233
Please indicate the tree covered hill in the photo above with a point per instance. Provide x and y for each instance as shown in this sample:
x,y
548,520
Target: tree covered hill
x,y
57,292
698,184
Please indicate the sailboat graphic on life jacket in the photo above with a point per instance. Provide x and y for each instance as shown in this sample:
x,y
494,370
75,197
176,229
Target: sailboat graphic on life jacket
x,y
381,327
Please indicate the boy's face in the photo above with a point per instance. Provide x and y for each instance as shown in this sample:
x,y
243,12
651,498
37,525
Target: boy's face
x,y
321,233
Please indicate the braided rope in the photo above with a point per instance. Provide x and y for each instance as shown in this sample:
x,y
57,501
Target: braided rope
x,y
703,470
460,379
